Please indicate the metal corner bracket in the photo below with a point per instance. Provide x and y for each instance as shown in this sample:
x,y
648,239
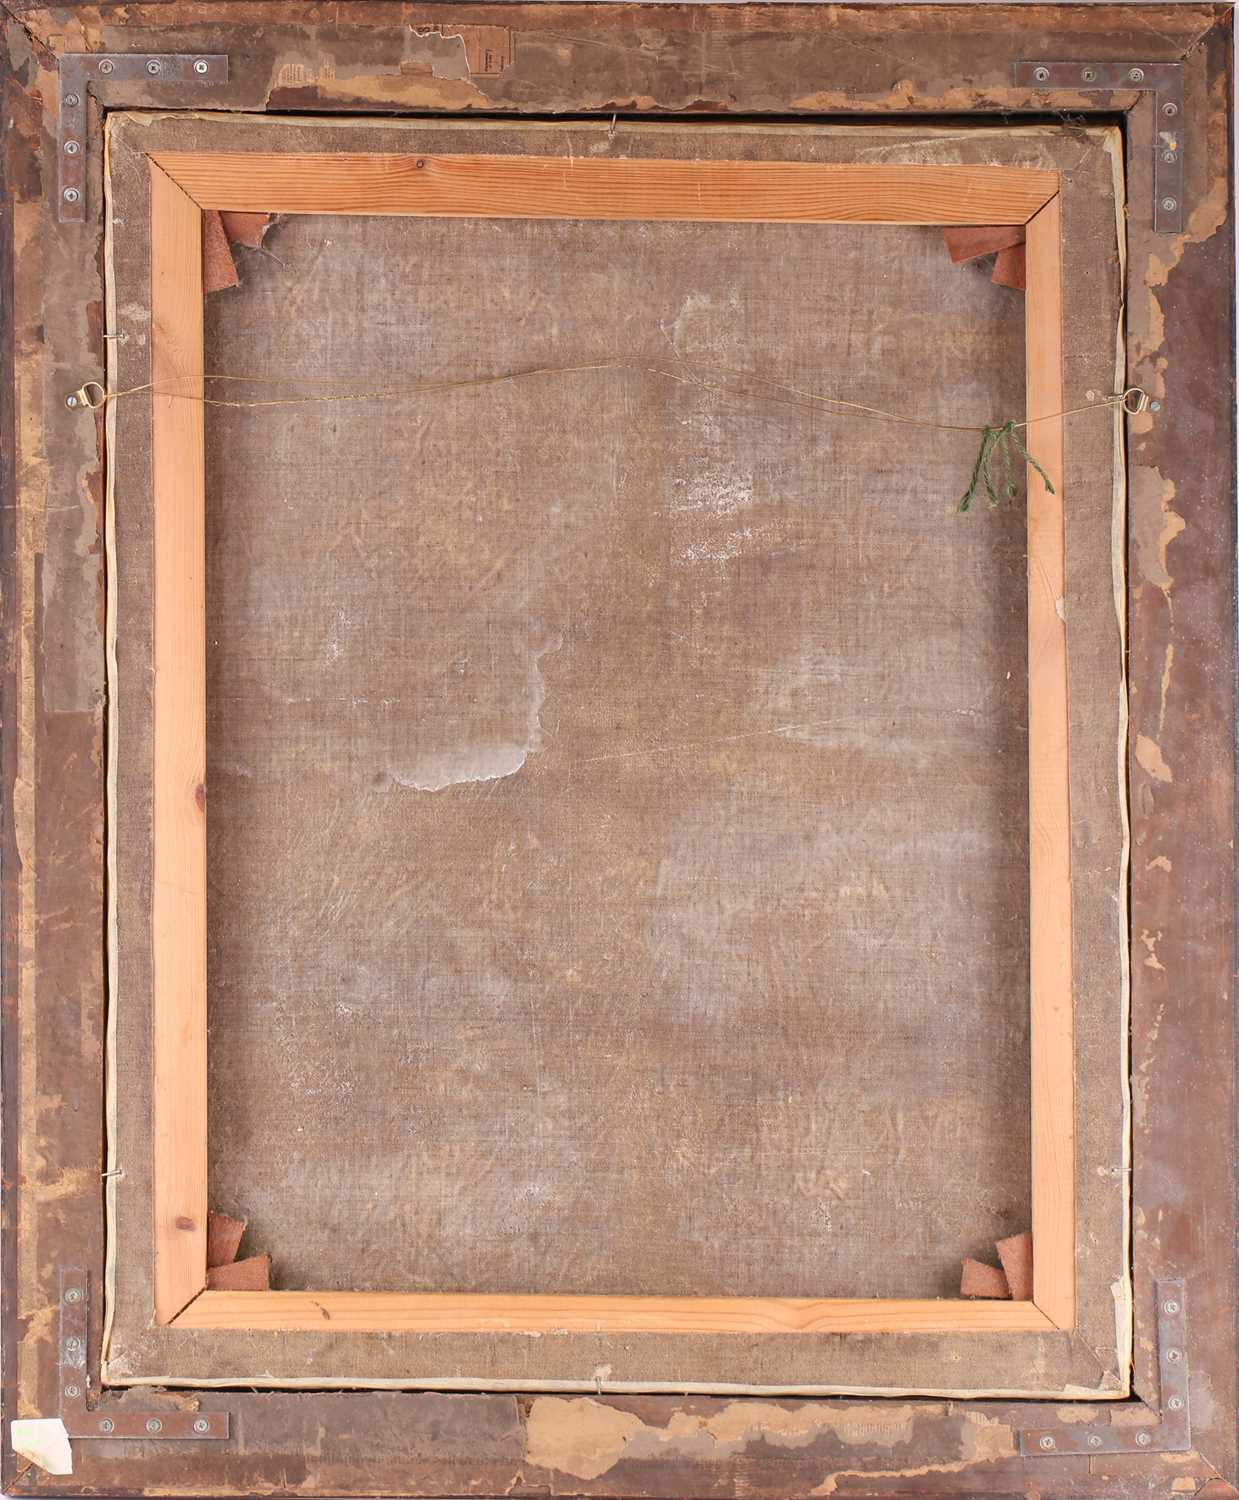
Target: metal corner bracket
x,y
84,1421
1167,1432
85,71
1165,82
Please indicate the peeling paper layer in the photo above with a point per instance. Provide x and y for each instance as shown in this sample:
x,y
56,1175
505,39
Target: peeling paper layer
x,y
1124,1327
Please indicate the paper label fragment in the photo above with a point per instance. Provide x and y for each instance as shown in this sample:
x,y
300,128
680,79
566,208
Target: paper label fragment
x,y
44,1441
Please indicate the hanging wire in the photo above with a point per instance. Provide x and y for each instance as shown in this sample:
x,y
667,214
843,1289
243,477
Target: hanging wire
x,y
996,440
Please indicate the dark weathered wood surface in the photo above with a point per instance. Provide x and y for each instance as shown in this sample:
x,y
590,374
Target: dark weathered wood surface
x,y
599,59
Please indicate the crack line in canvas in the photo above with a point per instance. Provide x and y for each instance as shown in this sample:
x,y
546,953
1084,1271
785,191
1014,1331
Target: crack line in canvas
x,y
726,739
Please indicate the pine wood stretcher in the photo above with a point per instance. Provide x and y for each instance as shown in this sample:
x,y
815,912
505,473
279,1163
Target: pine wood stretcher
x,y
183,184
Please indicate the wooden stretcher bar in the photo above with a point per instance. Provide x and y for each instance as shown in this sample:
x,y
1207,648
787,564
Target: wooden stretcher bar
x,y
182,186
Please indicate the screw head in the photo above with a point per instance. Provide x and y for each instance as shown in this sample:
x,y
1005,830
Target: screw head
x,y
73,1392
1143,1439
1170,1307
200,66
154,66
106,1424
1136,75
72,100
202,1425
1041,75
1046,1442
154,1425
71,195
71,148
106,66
73,1346
74,1294
1155,406
1093,1440
1175,1403
1170,109
1089,75
1170,204
1173,1356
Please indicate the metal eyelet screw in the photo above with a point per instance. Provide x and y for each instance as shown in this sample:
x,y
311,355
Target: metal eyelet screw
x,y
1089,75
1093,1440
72,100
154,1425
201,66
106,1425
1175,1403
107,66
1170,109
1045,1442
1170,204
74,1294
202,1425
72,1392
71,195
71,148
1170,1308
1136,75
1143,1439
1041,75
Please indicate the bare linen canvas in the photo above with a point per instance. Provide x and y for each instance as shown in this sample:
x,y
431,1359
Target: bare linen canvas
x,y
617,833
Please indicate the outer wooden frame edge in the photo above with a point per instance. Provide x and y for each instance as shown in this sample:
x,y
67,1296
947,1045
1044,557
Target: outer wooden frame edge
x,y
551,187
802,59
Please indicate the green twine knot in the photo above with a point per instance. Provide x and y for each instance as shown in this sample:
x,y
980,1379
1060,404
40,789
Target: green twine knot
x,y
998,440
